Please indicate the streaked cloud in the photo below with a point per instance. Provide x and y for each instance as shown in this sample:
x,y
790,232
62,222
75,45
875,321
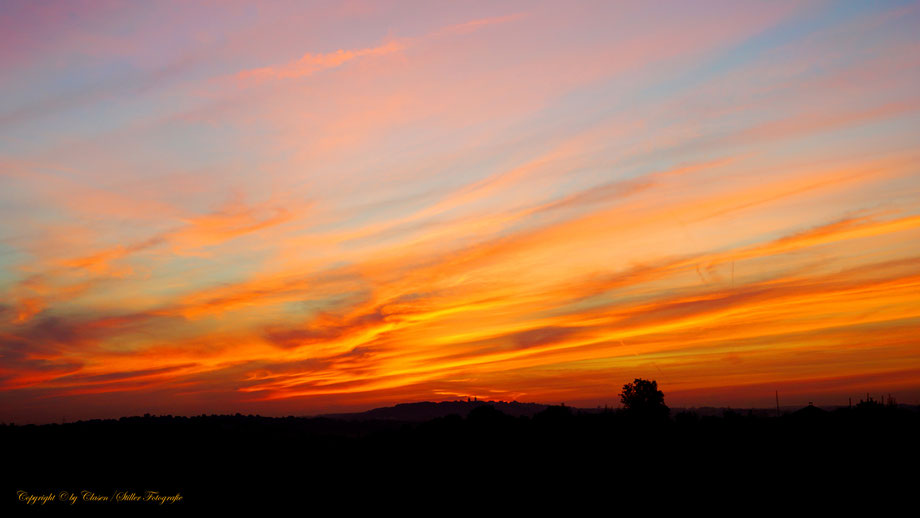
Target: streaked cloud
x,y
528,201
311,63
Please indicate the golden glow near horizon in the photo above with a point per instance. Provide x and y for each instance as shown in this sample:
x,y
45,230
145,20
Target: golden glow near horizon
x,y
296,209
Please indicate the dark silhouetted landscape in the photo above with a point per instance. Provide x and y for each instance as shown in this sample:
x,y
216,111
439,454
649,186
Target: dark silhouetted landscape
x,y
436,448
225,224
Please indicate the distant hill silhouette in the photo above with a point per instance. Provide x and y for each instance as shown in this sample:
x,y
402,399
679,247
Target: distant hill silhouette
x,y
428,410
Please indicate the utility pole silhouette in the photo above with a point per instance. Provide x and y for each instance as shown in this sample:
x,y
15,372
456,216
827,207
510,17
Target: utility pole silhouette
x,y
777,403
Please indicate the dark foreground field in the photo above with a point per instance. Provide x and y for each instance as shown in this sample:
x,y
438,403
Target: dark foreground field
x,y
554,454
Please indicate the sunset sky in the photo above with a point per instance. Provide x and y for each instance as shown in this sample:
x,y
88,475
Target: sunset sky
x,y
305,207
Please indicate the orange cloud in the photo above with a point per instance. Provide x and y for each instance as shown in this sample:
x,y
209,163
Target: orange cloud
x,y
312,63
474,205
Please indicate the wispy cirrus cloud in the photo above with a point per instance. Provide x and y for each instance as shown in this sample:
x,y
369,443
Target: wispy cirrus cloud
x,y
312,63
297,209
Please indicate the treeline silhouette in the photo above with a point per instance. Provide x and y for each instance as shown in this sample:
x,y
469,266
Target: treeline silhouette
x,y
209,457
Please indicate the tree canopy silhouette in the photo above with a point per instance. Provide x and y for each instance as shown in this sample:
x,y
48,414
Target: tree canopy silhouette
x,y
642,398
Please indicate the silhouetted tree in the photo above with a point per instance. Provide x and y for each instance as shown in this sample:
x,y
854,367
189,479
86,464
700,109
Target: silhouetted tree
x,y
642,398
487,414
554,414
